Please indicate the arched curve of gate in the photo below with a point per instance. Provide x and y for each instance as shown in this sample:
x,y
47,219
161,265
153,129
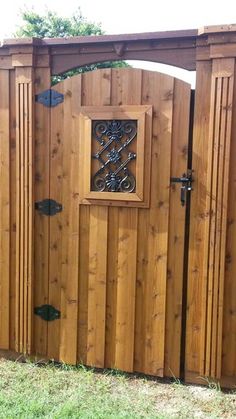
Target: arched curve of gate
x,y
175,48
72,62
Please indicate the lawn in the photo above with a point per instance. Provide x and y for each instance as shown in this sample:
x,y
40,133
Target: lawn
x,y
28,390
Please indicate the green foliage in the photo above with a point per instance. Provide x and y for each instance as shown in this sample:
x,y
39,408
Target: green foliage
x,y
51,25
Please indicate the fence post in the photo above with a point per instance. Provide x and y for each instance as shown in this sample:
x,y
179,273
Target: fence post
x,y
208,220
29,68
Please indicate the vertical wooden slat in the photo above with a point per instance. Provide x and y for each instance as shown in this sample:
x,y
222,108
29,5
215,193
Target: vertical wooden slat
x,y
56,223
41,222
12,207
70,239
126,276
83,283
30,214
152,254
111,292
97,286
176,233
212,188
196,299
126,90
229,306
97,92
25,194
4,210
24,200
226,136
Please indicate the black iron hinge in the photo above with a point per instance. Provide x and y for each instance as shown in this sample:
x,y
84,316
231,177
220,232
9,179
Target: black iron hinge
x,y
48,207
47,312
49,98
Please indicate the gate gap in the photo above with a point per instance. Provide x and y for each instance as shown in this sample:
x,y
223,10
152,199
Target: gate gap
x,y
186,243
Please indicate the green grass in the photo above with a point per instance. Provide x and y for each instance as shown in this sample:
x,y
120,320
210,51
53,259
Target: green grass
x,y
31,391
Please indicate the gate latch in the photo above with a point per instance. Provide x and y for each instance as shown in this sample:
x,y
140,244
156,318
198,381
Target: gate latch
x,y
48,207
186,185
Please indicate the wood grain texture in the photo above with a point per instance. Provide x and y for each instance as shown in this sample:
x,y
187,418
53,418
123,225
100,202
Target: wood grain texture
x,y
108,264
24,204
4,209
56,223
96,92
176,238
196,304
122,256
97,286
229,306
115,320
70,238
41,223
12,207
153,224
213,234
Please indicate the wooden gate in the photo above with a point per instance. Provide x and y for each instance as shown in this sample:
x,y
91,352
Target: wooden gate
x,y
111,262
94,272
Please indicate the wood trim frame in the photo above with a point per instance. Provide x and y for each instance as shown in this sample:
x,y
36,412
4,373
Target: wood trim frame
x,y
143,115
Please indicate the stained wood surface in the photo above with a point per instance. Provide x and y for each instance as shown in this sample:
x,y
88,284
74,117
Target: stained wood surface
x,y
229,305
5,210
208,315
115,271
41,223
24,205
117,274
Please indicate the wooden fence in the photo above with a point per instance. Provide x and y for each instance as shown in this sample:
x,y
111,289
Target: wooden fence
x,y
121,267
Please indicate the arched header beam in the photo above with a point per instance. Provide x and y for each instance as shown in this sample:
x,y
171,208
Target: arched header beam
x,y
178,48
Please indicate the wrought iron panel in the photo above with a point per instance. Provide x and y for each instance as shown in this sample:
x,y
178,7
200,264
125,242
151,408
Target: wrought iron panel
x,y
114,145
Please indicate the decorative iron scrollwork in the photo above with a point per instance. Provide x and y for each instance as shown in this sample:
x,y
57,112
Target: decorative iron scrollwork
x,y
114,155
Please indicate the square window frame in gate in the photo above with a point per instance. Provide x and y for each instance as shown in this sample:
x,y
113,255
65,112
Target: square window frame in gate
x,y
143,115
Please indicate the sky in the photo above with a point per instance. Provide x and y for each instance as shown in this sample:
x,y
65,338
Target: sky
x,y
130,16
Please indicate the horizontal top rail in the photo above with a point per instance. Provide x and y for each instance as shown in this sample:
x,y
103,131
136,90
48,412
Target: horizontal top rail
x,y
188,33
180,48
